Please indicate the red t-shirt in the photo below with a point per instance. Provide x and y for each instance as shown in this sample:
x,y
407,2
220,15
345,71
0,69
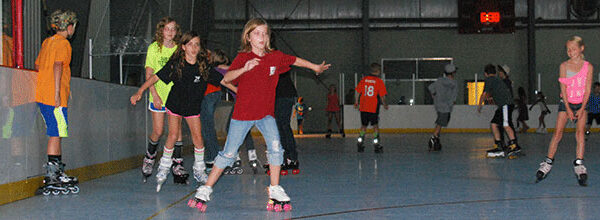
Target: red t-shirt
x,y
370,88
256,88
333,104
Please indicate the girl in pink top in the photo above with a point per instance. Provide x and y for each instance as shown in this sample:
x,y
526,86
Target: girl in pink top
x,y
575,86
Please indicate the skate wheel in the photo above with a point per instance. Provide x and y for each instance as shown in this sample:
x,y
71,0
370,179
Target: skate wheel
x,y
74,189
270,205
295,171
55,192
191,203
278,208
284,172
287,207
240,171
64,191
46,192
201,207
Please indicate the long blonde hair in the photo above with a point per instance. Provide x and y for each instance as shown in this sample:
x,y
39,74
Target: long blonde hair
x,y
160,27
248,28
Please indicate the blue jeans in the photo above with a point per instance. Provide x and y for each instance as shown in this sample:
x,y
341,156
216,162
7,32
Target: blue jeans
x,y
207,120
283,112
248,142
238,131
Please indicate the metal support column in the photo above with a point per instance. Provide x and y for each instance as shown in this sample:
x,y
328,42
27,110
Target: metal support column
x,y
365,35
531,61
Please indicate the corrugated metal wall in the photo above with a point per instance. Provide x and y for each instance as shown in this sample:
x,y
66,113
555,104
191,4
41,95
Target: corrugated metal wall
x,y
32,12
378,9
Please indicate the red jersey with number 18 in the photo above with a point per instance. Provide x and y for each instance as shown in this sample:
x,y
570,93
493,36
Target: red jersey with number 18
x,y
370,88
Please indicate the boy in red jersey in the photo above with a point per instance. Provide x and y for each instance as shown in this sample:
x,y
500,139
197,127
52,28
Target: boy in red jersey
x,y
371,91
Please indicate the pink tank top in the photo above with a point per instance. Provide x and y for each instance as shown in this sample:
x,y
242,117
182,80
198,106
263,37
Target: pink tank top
x,y
576,85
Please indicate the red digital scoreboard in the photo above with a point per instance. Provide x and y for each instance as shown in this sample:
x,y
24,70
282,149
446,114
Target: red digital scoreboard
x,y
486,16
489,17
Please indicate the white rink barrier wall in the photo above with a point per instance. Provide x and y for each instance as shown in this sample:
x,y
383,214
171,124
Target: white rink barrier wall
x,y
421,118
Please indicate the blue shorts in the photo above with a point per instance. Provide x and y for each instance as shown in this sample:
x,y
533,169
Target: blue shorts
x,y
56,120
154,109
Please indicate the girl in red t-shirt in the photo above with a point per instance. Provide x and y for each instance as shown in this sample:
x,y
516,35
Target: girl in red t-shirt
x,y
255,72
333,109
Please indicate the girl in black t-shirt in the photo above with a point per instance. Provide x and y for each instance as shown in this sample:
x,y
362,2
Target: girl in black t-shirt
x,y
189,71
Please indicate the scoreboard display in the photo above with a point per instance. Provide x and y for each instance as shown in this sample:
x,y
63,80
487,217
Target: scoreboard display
x,y
486,16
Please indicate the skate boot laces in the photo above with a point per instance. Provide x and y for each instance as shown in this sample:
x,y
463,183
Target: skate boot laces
x,y
277,193
580,169
203,193
178,168
199,174
545,167
148,165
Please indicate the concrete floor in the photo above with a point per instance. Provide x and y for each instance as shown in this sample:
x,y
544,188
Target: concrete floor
x,y
336,182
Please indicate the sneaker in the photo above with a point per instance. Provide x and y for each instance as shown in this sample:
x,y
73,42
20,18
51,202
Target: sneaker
x,y
496,152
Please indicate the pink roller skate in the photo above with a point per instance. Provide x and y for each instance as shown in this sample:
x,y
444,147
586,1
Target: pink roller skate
x,y
202,196
278,200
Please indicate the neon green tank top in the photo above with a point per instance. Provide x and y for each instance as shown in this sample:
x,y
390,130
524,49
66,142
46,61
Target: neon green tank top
x,y
156,58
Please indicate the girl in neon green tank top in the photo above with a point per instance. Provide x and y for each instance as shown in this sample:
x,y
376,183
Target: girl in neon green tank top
x,y
166,38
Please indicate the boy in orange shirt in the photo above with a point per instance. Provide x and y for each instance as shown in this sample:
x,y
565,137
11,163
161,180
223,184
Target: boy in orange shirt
x,y
371,93
52,94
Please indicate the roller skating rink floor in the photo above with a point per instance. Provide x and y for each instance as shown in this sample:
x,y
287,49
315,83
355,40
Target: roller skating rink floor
x,y
336,182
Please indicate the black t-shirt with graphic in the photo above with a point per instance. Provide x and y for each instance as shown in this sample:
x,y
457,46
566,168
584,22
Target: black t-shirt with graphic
x,y
187,92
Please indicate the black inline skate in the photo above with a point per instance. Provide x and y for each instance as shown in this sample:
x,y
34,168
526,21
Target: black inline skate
x,y
253,161
434,144
148,166
180,174
235,169
542,172
360,143
514,150
580,172
377,146
497,151
57,182
328,135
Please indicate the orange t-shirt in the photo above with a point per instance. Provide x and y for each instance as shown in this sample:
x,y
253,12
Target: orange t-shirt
x,y
370,89
54,49
210,88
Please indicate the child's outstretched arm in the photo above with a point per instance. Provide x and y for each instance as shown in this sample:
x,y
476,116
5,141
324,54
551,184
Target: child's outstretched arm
x,y
138,95
234,74
229,85
318,68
